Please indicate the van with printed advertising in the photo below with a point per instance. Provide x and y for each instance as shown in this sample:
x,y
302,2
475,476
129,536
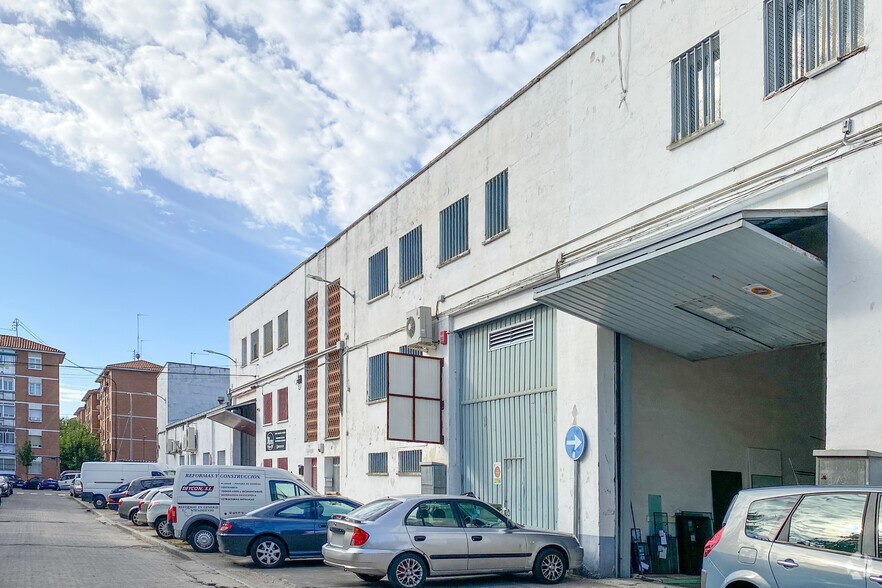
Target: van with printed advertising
x,y
203,495
100,478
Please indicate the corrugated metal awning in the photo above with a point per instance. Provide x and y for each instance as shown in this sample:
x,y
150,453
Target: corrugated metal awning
x,y
234,421
726,287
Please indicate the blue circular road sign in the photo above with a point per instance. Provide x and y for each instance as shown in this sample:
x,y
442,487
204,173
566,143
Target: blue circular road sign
x,y
575,442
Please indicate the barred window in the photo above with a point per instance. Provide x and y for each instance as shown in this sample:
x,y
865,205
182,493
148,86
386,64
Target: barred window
x,y
455,229
244,350
377,377
255,345
408,351
268,338
378,274
378,463
410,255
283,329
802,35
695,88
409,461
496,205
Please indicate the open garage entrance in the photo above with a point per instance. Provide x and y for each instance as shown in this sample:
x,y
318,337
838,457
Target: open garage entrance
x,y
720,329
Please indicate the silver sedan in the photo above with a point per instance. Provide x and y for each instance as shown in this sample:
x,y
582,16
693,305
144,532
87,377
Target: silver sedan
x,y
410,538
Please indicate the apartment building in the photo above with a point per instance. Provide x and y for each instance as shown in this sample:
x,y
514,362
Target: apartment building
x,y
669,239
29,409
90,410
126,406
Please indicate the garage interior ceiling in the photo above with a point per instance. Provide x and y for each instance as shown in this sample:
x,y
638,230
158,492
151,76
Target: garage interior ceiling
x,y
748,282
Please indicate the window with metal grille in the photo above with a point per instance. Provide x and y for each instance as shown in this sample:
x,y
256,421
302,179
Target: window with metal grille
x,y
282,404
333,363
377,377
378,274
695,88
410,255
408,351
283,329
267,409
511,335
496,205
378,463
255,345
455,229
268,338
803,35
409,461
311,395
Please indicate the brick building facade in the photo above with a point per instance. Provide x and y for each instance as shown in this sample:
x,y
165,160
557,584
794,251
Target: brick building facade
x,y
126,410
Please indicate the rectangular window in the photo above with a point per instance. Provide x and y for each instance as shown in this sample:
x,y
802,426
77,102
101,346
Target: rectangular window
x,y
7,384
7,360
282,404
206,459
496,205
7,437
804,35
283,329
244,350
182,460
410,256
282,463
36,468
409,461
35,362
36,440
35,388
378,463
332,474
221,458
377,377
35,414
695,88
455,229
268,338
378,274
267,409
192,459
7,464
310,396
255,345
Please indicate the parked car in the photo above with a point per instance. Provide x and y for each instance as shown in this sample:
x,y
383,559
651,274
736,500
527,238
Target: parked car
x,y
413,537
49,484
128,505
157,513
295,528
66,478
5,487
33,483
797,536
76,487
199,505
140,517
101,477
16,481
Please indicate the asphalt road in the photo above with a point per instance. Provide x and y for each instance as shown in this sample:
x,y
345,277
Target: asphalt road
x,y
48,538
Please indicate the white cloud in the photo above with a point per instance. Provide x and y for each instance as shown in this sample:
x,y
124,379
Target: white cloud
x,y
295,111
71,395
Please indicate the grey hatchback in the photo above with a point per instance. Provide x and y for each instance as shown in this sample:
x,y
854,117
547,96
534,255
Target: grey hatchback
x,y
413,537
798,536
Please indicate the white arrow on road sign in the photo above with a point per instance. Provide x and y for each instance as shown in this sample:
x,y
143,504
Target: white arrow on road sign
x,y
575,443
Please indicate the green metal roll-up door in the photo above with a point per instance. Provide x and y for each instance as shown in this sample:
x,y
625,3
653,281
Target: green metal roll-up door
x,y
508,406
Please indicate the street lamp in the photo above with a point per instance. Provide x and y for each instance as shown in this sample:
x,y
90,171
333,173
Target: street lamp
x,y
224,354
320,279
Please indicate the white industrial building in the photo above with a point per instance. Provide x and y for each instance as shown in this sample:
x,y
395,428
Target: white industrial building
x,y
669,238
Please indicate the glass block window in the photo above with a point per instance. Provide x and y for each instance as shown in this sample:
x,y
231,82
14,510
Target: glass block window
x,y
409,461
496,205
283,329
378,274
377,377
378,463
455,229
268,338
802,35
695,88
410,255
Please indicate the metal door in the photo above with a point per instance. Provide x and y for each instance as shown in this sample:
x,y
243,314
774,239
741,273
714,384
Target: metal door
x,y
508,410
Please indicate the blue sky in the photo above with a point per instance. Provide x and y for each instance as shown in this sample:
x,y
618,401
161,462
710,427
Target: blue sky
x,y
175,158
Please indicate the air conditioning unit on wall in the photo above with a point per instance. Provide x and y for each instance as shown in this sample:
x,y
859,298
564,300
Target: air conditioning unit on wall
x,y
190,440
169,445
418,328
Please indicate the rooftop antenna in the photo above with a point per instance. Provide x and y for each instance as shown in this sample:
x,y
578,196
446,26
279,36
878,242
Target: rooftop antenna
x,y
15,326
139,340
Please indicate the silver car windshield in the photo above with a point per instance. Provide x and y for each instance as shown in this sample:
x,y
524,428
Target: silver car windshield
x,y
373,510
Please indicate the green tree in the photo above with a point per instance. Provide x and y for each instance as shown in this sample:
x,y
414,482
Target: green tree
x,y
77,444
25,456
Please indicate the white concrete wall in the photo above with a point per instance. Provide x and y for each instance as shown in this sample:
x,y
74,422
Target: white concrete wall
x,y
588,172
186,389
211,437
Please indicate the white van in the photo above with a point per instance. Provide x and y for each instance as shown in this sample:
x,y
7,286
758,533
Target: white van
x,y
100,478
203,495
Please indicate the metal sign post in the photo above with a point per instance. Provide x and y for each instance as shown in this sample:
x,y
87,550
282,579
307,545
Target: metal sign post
x,y
575,444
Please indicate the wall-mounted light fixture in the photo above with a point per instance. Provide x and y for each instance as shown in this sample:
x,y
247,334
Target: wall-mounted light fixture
x,y
321,279
299,381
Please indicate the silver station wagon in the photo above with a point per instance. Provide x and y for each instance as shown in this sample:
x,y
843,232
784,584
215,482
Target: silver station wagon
x,y
798,536
411,538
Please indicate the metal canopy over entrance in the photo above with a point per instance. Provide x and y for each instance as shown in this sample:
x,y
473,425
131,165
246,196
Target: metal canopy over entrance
x,y
730,286
235,421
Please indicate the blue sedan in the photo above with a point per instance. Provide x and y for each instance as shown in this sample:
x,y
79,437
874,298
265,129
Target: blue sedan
x,y
295,528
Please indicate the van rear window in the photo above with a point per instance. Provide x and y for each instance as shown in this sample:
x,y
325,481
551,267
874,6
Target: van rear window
x,y
765,517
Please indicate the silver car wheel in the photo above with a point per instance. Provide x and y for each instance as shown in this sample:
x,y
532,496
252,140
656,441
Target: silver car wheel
x,y
268,553
203,538
552,567
409,572
162,529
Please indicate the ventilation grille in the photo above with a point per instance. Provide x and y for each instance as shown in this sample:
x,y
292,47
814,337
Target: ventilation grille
x,y
512,335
